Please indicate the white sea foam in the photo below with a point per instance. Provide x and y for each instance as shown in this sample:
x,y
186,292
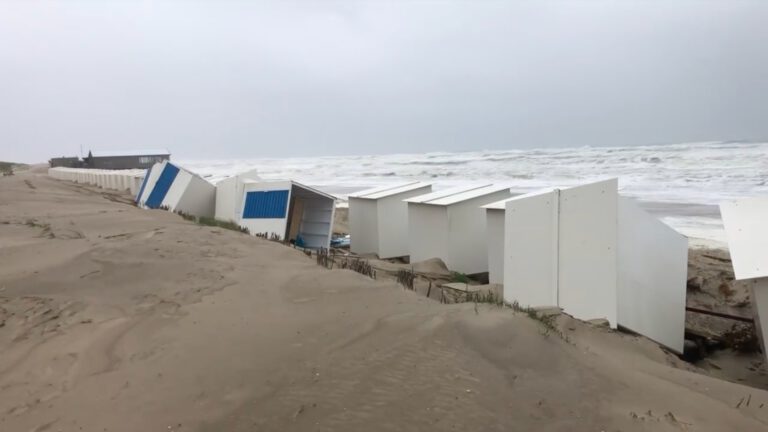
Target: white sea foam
x,y
693,173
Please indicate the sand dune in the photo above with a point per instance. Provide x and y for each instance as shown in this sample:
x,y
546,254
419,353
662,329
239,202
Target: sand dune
x,y
119,319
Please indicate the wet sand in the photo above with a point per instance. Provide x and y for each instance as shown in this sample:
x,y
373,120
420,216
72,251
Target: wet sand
x,y
121,319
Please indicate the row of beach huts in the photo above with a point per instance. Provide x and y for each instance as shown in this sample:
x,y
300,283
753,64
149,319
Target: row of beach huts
x,y
292,211
586,250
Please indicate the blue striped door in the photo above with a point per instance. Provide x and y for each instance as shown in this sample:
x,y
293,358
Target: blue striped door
x,y
164,183
265,204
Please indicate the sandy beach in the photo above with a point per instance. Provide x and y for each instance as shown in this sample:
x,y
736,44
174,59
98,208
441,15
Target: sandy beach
x,y
114,318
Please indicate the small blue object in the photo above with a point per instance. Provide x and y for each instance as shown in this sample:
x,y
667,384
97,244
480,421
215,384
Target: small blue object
x,y
340,242
299,241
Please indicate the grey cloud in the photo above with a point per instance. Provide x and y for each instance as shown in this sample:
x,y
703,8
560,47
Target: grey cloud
x,y
235,79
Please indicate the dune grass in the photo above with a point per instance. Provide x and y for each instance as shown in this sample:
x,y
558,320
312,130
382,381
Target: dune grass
x,y
213,222
459,277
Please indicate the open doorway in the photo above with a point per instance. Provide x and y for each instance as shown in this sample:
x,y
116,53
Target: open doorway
x,y
310,217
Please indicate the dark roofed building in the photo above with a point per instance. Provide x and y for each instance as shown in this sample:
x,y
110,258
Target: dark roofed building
x,y
125,159
67,162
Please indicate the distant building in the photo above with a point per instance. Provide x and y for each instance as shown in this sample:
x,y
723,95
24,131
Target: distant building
x,y
66,162
125,159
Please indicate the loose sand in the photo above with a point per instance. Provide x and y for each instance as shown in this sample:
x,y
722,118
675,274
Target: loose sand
x,y
119,319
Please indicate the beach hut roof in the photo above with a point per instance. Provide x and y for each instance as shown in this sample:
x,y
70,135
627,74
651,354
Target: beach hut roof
x,y
502,204
457,195
120,153
294,183
251,174
389,190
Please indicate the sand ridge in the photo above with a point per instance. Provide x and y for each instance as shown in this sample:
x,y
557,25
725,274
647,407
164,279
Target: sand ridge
x,y
144,321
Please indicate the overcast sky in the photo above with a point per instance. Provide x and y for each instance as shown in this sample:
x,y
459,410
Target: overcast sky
x,y
220,80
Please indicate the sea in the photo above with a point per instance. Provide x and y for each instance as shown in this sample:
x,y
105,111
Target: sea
x,y
680,183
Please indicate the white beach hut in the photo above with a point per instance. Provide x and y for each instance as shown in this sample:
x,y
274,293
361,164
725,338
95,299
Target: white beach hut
x,y
451,225
135,180
290,210
118,180
745,226
169,186
229,193
494,222
378,219
597,255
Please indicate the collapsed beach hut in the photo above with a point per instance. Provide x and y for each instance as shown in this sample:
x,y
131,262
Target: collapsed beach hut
x,y
174,188
745,226
597,255
451,225
289,210
229,192
378,219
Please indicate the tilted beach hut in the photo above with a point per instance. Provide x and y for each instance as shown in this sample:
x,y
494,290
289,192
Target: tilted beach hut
x,y
451,225
290,210
378,219
745,226
597,255
229,193
169,186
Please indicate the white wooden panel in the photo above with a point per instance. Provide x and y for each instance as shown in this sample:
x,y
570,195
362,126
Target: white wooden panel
x,y
494,220
428,232
467,240
226,195
317,221
269,226
746,224
587,258
153,175
363,226
198,198
179,185
760,311
530,250
393,222
135,184
652,273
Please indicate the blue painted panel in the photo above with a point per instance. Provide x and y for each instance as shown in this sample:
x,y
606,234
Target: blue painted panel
x,y
143,185
164,183
265,204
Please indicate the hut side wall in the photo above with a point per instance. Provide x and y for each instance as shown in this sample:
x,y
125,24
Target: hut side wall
x,y
760,310
744,222
530,250
393,223
427,232
587,253
226,196
467,234
198,198
495,239
652,273
363,226
317,221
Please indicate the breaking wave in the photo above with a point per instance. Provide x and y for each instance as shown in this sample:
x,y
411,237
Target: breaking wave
x,y
694,173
